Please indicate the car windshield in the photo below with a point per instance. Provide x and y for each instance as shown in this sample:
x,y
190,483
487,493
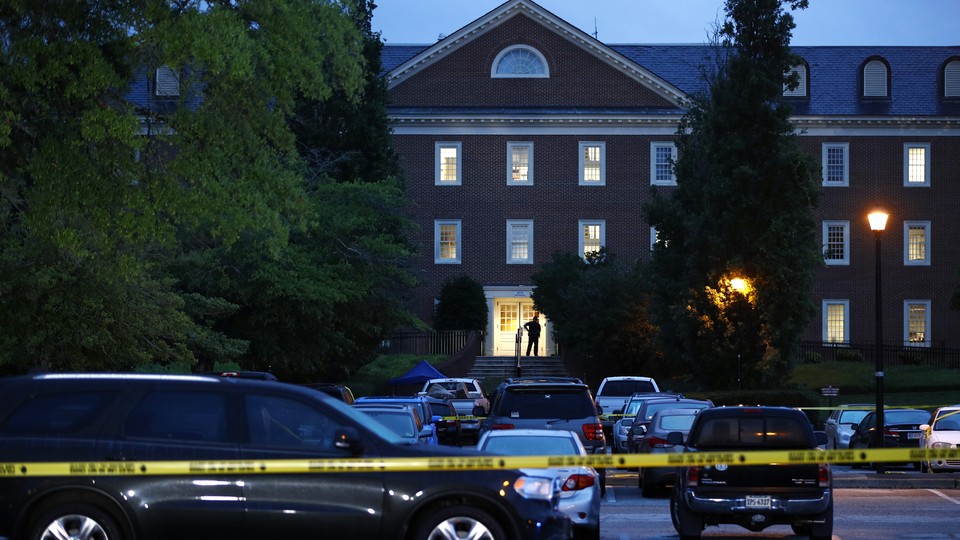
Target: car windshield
x,y
533,445
759,432
550,403
676,422
399,422
625,388
906,417
359,417
851,417
950,421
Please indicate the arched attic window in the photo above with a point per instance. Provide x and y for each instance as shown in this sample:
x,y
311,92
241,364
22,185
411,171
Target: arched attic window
x,y
520,61
801,90
951,79
876,79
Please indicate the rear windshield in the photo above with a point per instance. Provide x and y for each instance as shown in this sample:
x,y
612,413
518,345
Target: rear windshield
x,y
552,403
852,417
625,388
756,432
652,408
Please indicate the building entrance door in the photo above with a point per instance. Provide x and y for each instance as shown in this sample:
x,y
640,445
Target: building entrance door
x,y
510,315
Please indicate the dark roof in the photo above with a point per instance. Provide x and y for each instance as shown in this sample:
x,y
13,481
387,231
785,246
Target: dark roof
x,y
834,76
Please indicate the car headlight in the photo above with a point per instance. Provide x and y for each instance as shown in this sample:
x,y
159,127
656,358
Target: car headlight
x,y
536,487
939,444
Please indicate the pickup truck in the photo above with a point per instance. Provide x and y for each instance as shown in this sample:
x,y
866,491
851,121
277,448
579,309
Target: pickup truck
x,y
612,396
465,395
752,496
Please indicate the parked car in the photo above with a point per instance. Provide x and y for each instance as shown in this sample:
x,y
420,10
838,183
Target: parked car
x,y
448,425
126,419
901,430
752,496
338,391
401,419
649,407
420,403
620,442
464,394
651,479
261,375
613,393
839,425
942,433
580,496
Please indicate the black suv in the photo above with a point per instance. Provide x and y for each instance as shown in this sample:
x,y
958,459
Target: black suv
x,y
113,419
752,496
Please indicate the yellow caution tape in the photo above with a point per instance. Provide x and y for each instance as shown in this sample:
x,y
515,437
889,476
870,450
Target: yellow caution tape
x,y
288,466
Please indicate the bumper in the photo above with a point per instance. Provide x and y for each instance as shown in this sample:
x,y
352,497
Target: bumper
x,y
554,527
778,505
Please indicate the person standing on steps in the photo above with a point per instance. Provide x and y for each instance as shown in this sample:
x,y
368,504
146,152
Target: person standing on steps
x,y
533,331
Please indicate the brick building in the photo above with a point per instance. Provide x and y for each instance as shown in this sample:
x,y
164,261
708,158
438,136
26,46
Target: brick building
x,y
522,135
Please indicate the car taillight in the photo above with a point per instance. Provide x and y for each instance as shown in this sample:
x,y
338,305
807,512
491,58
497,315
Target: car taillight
x,y
824,475
502,426
657,442
889,432
593,432
576,482
693,476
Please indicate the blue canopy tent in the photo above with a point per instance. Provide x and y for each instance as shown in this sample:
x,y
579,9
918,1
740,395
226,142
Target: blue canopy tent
x,y
418,374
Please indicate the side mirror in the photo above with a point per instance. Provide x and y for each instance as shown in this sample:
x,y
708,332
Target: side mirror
x,y
599,409
436,419
426,433
479,411
854,427
821,437
627,422
618,411
348,438
675,438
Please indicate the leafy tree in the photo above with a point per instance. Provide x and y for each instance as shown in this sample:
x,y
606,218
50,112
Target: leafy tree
x,y
743,207
461,306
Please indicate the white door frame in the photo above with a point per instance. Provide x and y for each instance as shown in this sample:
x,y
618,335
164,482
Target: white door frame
x,y
496,293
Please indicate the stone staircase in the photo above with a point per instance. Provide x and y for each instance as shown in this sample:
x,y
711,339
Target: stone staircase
x,y
501,367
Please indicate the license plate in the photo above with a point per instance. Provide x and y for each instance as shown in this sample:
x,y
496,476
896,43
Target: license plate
x,y
758,501
913,435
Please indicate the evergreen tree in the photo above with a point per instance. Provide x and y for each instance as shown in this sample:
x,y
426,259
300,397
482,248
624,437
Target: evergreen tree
x,y
461,305
743,207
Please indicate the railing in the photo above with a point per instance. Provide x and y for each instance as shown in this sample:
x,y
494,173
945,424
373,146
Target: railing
x,y
934,355
447,342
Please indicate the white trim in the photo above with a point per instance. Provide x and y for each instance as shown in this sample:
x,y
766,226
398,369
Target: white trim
x,y
510,224
603,163
825,322
654,145
801,89
496,63
926,164
876,82
906,243
590,222
846,242
926,323
951,79
167,82
457,259
437,149
824,150
519,144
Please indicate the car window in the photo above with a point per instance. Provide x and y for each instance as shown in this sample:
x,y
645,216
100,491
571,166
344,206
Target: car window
x,y
553,403
60,413
652,408
397,421
530,446
758,432
906,417
180,416
633,407
626,388
281,422
948,423
851,417
676,422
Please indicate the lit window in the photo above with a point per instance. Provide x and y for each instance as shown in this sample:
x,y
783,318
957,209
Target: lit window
x,y
916,322
448,164
836,242
835,157
520,61
520,163
447,242
519,242
662,157
916,164
592,164
591,237
916,243
836,316
875,83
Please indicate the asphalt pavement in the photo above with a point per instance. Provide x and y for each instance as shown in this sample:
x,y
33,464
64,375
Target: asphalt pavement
x,y
845,477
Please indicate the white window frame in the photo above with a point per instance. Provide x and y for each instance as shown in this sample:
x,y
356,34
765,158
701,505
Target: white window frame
x,y
438,178
826,322
511,223
926,164
876,79
437,224
951,79
654,147
511,145
846,243
824,154
801,89
167,82
583,223
603,163
926,323
925,225
496,64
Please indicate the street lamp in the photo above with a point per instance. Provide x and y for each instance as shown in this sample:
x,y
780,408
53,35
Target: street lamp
x,y
878,222
742,286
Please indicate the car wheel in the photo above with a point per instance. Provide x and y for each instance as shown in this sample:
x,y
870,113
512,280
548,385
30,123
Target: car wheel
x,y
587,533
451,522
822,531
687,524
76,521
647,488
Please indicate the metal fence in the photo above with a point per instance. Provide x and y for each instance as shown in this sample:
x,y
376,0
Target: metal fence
x,y
447,343
935,355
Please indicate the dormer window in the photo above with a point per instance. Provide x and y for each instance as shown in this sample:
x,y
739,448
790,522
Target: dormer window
x,y
520,61
168,82
876,79
801,90
951,79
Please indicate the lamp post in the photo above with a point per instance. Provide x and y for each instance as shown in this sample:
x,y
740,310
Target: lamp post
x,y
878,222
742,286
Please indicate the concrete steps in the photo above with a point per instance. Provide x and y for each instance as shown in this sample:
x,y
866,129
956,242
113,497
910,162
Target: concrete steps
x,y
501,367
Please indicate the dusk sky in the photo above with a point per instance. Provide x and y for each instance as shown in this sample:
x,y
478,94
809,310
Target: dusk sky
x,y
825,22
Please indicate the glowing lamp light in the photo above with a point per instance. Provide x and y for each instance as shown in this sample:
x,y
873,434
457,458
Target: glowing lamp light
x,y
878,220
